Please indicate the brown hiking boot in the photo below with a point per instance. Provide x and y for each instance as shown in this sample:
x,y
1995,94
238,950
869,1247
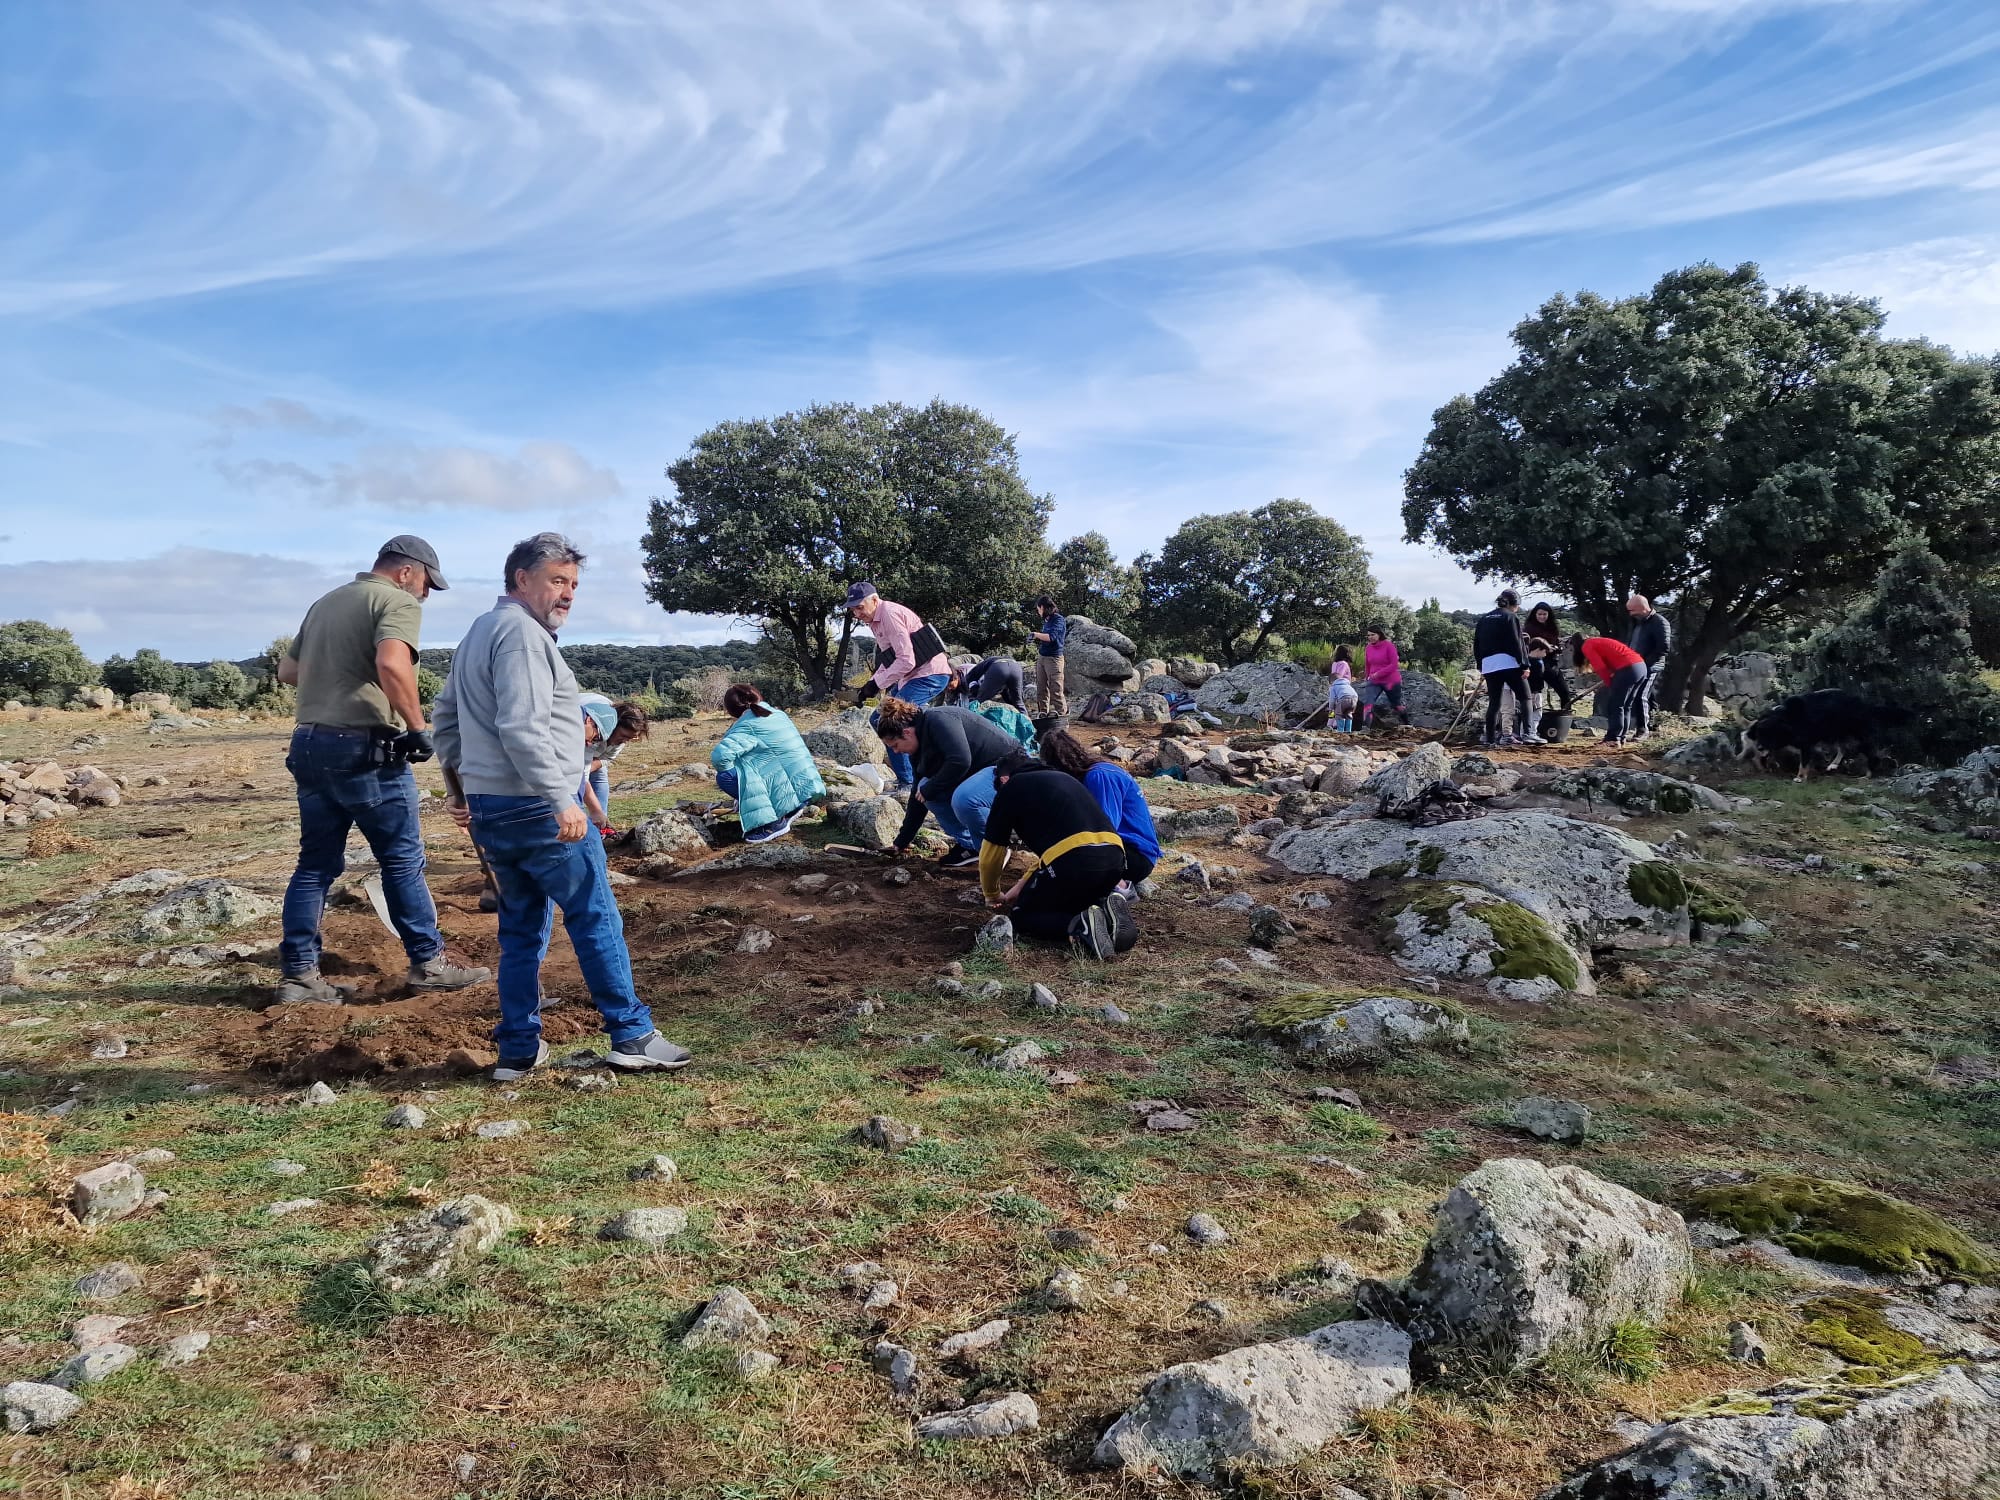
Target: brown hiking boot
x,y
441,973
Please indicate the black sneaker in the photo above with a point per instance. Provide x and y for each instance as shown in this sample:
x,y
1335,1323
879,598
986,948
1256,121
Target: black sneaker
x,y
958,857
1124,930
1090,931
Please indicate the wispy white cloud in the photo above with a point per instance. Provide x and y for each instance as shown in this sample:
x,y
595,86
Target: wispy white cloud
x,y
1946,290
611,150
537,477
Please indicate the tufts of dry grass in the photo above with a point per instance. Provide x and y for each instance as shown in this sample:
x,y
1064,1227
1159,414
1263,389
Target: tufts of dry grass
x,y
48,839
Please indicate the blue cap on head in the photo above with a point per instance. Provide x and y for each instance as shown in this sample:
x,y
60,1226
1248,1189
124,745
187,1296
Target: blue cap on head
x,y
604,716
858,593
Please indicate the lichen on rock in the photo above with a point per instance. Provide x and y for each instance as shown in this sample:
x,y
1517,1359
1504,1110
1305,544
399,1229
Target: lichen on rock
x,y
1465,932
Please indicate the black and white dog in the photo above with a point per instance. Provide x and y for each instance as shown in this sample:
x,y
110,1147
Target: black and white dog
x,y
1807,728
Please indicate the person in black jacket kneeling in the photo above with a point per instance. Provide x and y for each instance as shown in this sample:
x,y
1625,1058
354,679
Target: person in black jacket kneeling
x,y
1072,895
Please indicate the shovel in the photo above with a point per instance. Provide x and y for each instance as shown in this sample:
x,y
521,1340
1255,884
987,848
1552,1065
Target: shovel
x,y
489,893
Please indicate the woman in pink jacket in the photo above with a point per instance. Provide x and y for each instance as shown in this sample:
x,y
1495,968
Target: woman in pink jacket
x,y
1382,675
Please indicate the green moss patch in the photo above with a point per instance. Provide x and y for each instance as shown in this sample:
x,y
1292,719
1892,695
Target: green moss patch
x,y
1396,869
1729,1404
1851,1325
1849,1225
1308,1006
1430,860
1673,798
1527,946
1713,908
1657,884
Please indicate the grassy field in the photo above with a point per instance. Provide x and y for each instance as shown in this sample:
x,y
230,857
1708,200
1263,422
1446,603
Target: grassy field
x,y
1859,1041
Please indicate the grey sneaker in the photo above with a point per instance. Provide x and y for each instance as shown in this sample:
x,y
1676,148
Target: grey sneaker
x,y
650,1051
1124,929
513,1069
441,973
308,988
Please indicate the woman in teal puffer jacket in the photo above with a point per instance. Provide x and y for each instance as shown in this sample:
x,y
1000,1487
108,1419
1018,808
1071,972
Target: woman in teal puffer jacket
x,y
764,764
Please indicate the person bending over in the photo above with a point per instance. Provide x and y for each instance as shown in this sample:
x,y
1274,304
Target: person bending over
x,y
1072,894
764,764
627,723
1119,797
997,679
1623,673
951,753
910,659
1341,698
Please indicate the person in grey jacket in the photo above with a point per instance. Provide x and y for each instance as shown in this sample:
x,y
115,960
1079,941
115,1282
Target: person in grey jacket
x,y
1653,638
509,725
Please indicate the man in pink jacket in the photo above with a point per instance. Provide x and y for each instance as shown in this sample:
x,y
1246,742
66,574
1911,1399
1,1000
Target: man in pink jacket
x,y
900,635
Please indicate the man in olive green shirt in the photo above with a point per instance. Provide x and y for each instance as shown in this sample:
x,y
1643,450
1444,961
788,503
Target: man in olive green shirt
x,y
360,724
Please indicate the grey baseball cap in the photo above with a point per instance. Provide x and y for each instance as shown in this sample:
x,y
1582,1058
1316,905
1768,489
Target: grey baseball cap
x,y
416,549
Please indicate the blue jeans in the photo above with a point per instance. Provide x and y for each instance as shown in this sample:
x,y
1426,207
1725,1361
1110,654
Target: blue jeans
x,y
339,790
599,782
916,690
964,816
535,872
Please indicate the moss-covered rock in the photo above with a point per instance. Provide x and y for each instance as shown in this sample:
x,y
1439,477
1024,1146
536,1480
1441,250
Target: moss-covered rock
x,y
1336,1031
1465,932
1851,1325
1657,884
1845,1224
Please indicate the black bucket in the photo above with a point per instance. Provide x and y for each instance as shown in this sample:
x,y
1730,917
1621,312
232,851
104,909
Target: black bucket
x,y
1554,728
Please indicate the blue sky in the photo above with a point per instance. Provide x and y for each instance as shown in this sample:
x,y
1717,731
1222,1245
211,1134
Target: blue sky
x,y
280,280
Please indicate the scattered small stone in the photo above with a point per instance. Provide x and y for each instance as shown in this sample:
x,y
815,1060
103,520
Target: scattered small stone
x,y
1043,998
199,1088
1375,1221
1017,1058
500,1130
881,1295
1746,1345
887,1133
107,1282
656,1169
465,1466
94,1364
290,1206
1068,1239
298,1454
108,1193
589,1083
1227,966
1561,1120
811,885
754,1365
646,1226
729,1319
283,1168
1066,1291
185,1349
858,1276
97,1328
896,876
1628,1428
152,1156
110,1049
898,1364
1336,1164
1111,1015
997,936
1261,958
990,990
31,1406
949,987
67,1107
1239,901
985,1336
1210,1309
1156,1248
22,1023
988,1419
1204,1230
1338,1096
755,940
1166,1121
320,1094
406,1117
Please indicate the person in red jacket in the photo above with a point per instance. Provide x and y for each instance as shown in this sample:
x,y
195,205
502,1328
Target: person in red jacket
x,y
1623,673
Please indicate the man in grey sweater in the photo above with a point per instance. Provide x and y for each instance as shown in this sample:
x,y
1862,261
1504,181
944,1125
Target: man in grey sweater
x,y
509,723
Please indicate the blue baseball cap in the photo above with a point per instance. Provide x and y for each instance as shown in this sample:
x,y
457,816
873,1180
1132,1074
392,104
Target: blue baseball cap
x,y
859,593
604,716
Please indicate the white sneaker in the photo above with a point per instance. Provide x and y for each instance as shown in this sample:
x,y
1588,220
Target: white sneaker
x,y
514,1069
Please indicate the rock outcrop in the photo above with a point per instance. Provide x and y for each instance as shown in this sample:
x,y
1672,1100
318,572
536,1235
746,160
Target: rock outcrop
x,y
1263,1406
1970,789
668,830
1333,1030
1097,659
1257,690
1644,793
1747,683
1934,1434
847,739
1601,887
1526,1259
202,906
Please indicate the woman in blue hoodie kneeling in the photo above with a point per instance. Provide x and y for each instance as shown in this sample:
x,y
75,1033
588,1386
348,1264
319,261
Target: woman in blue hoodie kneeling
x,y
764,764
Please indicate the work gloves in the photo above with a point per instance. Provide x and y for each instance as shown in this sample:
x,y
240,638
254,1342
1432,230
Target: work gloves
x,y
414,745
